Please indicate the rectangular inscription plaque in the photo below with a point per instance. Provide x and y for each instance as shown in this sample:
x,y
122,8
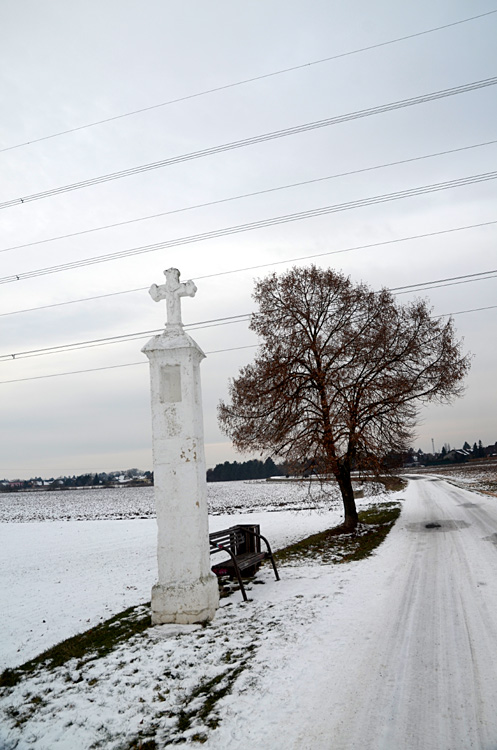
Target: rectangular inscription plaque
x,y
170,384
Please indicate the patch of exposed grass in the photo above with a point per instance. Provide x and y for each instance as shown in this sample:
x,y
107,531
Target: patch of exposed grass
x,y
143,745
390,482
212,691
19,715
380,513
198,709
329,547
93,644
393,484
489,488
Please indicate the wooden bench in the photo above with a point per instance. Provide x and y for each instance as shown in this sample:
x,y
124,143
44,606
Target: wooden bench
x,y
243,545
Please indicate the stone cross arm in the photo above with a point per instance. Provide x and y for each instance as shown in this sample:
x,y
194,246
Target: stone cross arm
x,y
172,291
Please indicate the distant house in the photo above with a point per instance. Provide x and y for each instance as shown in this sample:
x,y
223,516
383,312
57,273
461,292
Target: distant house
x,y
7,486
457,456
124,480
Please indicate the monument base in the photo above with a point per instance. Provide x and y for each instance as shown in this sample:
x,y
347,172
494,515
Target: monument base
x,y
185,603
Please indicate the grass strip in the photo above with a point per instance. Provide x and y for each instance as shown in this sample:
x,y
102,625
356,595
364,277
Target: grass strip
x,y
329,547
92,644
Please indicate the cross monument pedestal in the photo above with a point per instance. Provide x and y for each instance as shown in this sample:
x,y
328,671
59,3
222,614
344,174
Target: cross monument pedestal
x,y
187,590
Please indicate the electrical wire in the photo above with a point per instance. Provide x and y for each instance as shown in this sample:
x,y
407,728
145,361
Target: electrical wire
x,y
126,337
263,138
442,286
114,367
217,351
264,265
75,301
368,246
251,80
263,223
250,195
463,312
123,338
479,276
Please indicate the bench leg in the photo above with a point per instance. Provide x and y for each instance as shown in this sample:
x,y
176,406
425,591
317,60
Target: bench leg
x,y
275,569
242,587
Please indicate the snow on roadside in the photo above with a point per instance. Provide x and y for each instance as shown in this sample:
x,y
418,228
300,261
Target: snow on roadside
x,y
154,679
60,578
168,682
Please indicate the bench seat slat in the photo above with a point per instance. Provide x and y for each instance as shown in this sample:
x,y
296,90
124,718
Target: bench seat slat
x,y
247,560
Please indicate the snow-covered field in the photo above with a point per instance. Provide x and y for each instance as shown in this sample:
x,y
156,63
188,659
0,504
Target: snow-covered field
x,y
51,567
138,502
390,652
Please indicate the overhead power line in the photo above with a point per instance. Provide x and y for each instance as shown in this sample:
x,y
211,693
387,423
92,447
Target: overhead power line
x,y
442,286
439,283
113,367
367,246
304,128
298,216
253,79
75,301
466,279
126,337
251,195
265,265
123,338
217,351
464,312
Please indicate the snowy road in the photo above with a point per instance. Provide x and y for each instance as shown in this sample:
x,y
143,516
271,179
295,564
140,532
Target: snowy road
x,y
406,658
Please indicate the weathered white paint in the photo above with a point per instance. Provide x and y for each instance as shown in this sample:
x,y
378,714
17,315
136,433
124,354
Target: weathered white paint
x,y
187,590
172,291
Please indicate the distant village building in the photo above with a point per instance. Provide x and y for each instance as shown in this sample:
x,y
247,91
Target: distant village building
x,y
457,456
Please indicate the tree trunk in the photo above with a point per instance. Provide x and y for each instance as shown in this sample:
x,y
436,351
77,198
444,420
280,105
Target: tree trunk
x,y
345,484
342,470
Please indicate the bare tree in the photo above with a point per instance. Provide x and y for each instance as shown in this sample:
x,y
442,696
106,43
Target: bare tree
x,y
340,375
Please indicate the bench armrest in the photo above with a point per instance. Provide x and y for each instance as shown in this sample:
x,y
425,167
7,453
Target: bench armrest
x,y
269,552
219,548
259,536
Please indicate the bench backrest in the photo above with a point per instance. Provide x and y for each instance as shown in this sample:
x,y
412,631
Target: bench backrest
x,y
232,538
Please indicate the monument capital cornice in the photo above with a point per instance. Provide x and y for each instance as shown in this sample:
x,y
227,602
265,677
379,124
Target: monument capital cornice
x,y
172,339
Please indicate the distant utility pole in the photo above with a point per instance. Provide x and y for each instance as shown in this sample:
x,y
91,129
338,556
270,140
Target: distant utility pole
x,y
432,446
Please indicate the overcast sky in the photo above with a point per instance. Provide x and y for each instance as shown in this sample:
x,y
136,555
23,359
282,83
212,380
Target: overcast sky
x,y
64,65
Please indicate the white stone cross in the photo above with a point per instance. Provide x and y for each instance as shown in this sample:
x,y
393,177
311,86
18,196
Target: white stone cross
x,y
186,590
172,291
